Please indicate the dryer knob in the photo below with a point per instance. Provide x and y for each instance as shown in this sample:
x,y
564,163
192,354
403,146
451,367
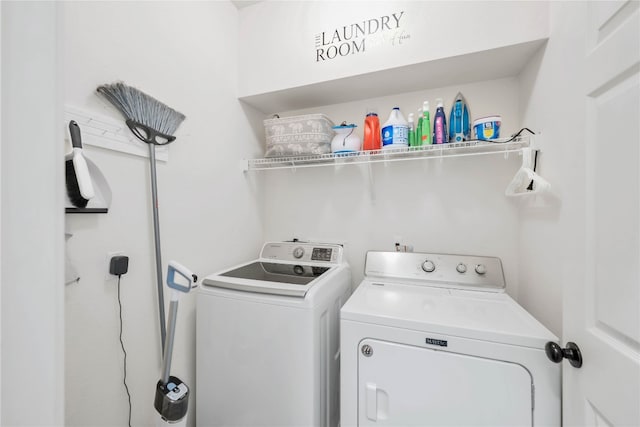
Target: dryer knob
x,y
428,266
461,268
481,269
298,252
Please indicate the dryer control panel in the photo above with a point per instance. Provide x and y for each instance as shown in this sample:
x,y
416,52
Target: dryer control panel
x,y
321,253
458,271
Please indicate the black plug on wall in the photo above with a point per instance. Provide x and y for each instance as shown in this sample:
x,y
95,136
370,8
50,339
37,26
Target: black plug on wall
x,y
119,265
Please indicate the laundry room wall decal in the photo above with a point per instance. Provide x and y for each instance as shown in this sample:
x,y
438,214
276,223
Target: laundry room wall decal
x,y
357,37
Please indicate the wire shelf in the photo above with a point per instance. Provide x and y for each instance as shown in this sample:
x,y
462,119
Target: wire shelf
x,y
458,149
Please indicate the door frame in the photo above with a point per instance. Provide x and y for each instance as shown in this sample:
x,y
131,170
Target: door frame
x,y
31,215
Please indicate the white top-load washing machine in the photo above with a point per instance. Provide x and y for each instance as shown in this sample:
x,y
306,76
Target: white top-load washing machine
x,y
433,340
267,343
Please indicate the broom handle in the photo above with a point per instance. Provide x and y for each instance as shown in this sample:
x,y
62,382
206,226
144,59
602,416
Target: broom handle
x,y
156,230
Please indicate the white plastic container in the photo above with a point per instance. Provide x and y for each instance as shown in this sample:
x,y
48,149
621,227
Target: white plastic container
x,y
395,131
487,128
345,140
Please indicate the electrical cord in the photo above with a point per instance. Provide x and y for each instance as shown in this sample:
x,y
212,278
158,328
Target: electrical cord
x,y
124,351
511,139
517,134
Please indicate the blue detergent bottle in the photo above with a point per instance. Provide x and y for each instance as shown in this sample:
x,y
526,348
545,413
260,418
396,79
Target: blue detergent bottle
x,y
440,124
395,131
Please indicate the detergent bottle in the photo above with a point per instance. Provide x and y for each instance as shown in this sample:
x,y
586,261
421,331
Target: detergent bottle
x,y
418,127
412,134
425,125
395,131
440,124
372,138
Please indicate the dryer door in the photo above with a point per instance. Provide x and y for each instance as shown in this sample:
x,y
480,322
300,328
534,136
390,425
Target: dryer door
x,y
401,385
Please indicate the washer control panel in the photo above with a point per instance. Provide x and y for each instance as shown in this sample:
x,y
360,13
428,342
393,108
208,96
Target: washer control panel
x,y
303,252
459,271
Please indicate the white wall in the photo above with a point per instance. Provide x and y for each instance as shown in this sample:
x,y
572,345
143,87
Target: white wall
x,y
0,215
281,36
32,220
184,54
452,206
552,101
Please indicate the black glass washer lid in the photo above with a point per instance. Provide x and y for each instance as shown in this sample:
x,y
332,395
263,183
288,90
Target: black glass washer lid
x,y
277,272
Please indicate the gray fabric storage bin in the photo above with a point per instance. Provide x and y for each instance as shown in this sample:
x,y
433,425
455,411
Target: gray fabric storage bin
x,y
309,134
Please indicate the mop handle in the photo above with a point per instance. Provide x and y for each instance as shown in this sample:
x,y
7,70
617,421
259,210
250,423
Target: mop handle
x,y
180,280
156,230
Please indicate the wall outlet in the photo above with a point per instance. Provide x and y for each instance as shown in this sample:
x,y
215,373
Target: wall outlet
x,y
107,263
400,245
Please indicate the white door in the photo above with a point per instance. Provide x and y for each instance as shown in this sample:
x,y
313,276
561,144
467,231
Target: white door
x,y
402,385
601,312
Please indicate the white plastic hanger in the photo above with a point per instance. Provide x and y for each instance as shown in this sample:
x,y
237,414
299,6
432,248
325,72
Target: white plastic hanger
x,y
526,181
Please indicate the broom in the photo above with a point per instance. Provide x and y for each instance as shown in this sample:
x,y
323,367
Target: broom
x,y
154,123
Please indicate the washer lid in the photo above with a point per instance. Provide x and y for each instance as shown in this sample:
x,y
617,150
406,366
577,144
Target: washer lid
x,y
486,316
268,278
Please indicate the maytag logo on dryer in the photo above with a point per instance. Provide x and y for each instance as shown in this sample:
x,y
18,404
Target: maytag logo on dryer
x,y
435,341
358,36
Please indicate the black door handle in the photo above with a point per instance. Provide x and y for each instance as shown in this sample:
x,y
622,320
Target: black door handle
x,y
555,353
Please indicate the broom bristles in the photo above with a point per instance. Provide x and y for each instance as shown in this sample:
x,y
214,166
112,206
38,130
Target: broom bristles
x,y
142,108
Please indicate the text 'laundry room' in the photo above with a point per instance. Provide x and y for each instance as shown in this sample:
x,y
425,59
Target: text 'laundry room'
x,y
320,214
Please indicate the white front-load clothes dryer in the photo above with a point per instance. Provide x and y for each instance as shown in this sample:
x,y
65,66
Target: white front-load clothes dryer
x,y
267,339
433,340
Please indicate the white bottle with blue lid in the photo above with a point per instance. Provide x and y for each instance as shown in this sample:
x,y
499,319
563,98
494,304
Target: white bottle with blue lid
x,y
395,132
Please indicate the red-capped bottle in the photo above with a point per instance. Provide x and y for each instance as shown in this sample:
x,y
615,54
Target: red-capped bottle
x,y
372,137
